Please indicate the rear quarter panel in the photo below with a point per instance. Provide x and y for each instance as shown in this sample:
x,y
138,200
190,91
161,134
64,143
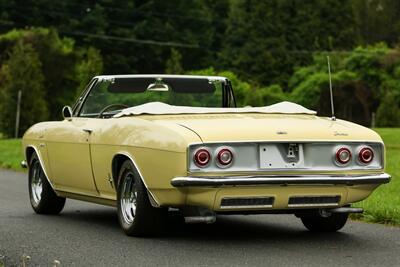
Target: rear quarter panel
x,y
158,151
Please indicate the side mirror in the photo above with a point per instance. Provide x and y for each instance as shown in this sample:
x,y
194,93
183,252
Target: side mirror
x,y
67,112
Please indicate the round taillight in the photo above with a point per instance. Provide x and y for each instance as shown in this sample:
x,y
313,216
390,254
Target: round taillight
x,y
343,155
366,155
202,157
225,157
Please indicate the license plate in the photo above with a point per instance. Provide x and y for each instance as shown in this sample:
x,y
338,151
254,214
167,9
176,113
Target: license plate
x,y
281,156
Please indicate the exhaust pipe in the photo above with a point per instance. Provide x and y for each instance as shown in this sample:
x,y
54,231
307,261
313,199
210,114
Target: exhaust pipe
x,y
201,219
346,210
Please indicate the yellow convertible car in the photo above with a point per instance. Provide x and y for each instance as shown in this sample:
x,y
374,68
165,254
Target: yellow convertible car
x,y
149,144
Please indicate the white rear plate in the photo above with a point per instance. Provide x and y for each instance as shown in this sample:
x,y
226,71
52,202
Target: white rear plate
x,y
271,157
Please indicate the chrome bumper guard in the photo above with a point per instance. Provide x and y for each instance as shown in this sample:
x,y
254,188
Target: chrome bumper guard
x,y
281,180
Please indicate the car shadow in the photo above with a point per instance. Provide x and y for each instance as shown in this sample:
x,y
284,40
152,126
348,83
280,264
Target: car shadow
x,y
234,228
250,228
104,217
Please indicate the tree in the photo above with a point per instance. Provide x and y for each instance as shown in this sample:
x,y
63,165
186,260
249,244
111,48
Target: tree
x,y
22,72
363,80
173,65
241,88
59,58
265,96
388,113
377,21
90,66
266,40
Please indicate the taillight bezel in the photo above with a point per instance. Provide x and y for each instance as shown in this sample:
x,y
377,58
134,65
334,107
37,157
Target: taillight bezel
x,y
338,159
362,150
198,162
219,153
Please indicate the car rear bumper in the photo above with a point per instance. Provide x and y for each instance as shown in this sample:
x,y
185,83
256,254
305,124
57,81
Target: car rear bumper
x,y
190,181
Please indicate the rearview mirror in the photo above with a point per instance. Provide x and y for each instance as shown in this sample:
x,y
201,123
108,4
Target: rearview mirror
x,y
158,87
67,112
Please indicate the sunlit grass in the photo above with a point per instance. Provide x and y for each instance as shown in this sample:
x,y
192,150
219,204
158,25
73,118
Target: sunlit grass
x,y
11,154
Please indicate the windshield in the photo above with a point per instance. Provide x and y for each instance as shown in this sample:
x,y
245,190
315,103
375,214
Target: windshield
x,y
109,96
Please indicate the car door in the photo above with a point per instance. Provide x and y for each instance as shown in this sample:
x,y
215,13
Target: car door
x,y
68,146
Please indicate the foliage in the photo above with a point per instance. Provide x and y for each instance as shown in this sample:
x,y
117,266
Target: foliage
x,y
60,69
388,113
265,96
58,64
265,40
373,19
22,72
245,93
364,82
261,41
174,63
241,88
273,50
90,66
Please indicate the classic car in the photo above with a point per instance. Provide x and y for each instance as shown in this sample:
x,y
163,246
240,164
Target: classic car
x,y
153,144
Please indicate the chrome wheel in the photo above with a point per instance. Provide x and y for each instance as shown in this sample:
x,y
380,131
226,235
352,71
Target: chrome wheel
x,y
128,198
136,215
37,182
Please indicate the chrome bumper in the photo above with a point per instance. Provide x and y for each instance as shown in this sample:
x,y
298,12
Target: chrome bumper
x,y
281,180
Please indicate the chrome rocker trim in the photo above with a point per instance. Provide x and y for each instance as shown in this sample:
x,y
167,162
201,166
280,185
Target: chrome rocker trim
x,y
281,180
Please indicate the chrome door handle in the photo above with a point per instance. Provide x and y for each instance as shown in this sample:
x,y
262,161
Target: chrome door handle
x,y
89,131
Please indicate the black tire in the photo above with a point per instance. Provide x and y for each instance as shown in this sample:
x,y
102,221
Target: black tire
x,y
44,201
331,223
145,220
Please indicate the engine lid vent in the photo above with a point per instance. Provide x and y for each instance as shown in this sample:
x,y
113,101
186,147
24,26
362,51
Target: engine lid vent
x,y
314,201
247,202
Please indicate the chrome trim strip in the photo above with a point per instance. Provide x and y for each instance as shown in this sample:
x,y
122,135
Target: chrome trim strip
x,y
89,198
281,180
210,78
313,205
245,207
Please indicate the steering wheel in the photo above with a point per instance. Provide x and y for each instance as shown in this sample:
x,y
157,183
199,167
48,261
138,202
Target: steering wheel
x,y
110,106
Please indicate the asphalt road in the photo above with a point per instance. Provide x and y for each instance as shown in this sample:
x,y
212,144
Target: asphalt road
x,y
89,235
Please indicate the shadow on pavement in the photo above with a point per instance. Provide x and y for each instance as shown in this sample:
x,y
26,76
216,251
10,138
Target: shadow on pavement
x,y
271,228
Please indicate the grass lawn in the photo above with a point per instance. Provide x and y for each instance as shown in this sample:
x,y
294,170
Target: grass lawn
x,y
11,154
383,206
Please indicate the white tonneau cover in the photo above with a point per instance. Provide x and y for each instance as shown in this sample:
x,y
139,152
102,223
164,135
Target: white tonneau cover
x,y
158,108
